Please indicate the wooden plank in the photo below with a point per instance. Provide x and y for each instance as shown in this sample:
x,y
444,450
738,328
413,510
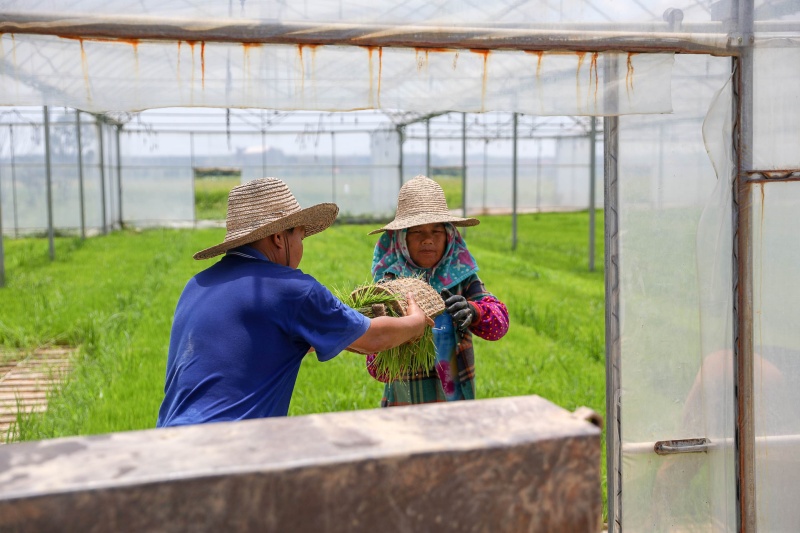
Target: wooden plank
x,y
25,382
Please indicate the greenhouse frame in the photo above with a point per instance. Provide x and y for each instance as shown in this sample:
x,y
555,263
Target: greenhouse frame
x,y
703,356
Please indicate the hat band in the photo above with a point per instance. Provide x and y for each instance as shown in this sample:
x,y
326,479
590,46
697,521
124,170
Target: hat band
x,y
438,212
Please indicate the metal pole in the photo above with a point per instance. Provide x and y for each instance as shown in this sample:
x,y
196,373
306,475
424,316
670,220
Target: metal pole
x,y
428,147
485,170
592,175
743,374
119,176
463,167
612,292
660,183
49,177
2,250
80,172
194,177
539,176
612,36
263,154
514,187
102,174
13,181
333,167
400,134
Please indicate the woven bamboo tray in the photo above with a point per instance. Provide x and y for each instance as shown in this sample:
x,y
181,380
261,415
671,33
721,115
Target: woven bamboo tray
x,y
426,296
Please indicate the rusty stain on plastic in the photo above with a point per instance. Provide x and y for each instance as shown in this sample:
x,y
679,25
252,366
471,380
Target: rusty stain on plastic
x,y
313,48
539,85
581,57
133,42
135,46
539,56
301,56
191,83
629,73
85,69
422,62
371,102
593,71
246,47
484,80
203,64
418,60
113,40
14,59
302,74
202,61
380,73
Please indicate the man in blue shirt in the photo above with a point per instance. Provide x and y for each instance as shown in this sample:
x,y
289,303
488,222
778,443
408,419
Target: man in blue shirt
x,y
243,326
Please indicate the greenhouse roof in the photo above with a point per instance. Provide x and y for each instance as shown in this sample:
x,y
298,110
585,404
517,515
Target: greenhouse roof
x,y
536,57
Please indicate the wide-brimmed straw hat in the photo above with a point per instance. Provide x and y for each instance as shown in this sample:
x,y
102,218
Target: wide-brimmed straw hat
x,y
265,206
421,201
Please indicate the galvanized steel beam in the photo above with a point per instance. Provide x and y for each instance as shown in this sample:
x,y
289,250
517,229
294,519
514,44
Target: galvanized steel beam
x,y
710,38
743,372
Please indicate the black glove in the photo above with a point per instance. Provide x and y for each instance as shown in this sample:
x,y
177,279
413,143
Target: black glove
x,y
457,307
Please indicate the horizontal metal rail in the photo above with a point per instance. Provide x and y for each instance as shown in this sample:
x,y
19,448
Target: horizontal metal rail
x,y
767,176
611,37
641,448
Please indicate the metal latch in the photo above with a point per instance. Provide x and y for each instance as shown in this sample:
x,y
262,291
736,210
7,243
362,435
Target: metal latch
x,y
668,447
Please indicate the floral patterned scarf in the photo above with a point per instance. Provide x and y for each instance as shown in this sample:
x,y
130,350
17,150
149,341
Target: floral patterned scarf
x,y
391,257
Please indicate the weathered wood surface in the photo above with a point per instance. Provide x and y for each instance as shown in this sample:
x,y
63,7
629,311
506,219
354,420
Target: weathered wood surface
x,y
511,464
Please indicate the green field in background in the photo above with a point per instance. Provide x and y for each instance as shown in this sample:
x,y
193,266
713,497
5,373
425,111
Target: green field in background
x,y
211,196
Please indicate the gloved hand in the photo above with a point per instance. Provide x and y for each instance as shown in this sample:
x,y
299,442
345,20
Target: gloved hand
x,y
457,307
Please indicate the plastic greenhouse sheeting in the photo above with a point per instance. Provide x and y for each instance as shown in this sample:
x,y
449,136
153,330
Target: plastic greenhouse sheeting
x,y
100,56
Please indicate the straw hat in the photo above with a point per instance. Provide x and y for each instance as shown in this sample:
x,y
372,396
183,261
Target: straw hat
x,y
263,207
421,201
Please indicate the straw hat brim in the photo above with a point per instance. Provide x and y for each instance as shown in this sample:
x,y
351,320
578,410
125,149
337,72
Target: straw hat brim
x,y
314,219
425,218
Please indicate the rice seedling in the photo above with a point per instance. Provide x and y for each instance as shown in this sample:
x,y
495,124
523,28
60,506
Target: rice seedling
x,y
387,299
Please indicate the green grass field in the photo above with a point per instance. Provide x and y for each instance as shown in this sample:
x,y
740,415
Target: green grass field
x,y
114,296
211,196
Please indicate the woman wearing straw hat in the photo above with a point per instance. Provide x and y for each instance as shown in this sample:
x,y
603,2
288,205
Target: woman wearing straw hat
x,y
243,326
423,241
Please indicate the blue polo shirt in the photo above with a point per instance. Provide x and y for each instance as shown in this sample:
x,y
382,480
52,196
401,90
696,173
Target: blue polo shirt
x,y
240,332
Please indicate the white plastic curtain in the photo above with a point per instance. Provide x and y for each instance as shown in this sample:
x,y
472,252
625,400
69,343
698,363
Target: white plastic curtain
x,y
87,75
99,56
676,266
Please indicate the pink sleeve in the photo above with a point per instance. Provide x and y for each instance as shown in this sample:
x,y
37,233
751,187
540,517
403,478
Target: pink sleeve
x,y
373,371
491,320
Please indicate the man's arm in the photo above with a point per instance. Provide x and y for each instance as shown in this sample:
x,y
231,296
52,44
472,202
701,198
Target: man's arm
x,y
387,332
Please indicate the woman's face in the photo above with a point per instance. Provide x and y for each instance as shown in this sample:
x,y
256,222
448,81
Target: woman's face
x,y
426,244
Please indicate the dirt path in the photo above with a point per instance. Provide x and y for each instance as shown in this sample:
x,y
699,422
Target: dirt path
x,y
25,379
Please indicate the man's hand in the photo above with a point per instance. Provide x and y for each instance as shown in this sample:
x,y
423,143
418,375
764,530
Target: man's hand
x,y
412,309
457,307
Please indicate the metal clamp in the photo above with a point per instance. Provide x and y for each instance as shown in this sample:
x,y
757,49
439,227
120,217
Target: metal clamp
x,y
669,447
